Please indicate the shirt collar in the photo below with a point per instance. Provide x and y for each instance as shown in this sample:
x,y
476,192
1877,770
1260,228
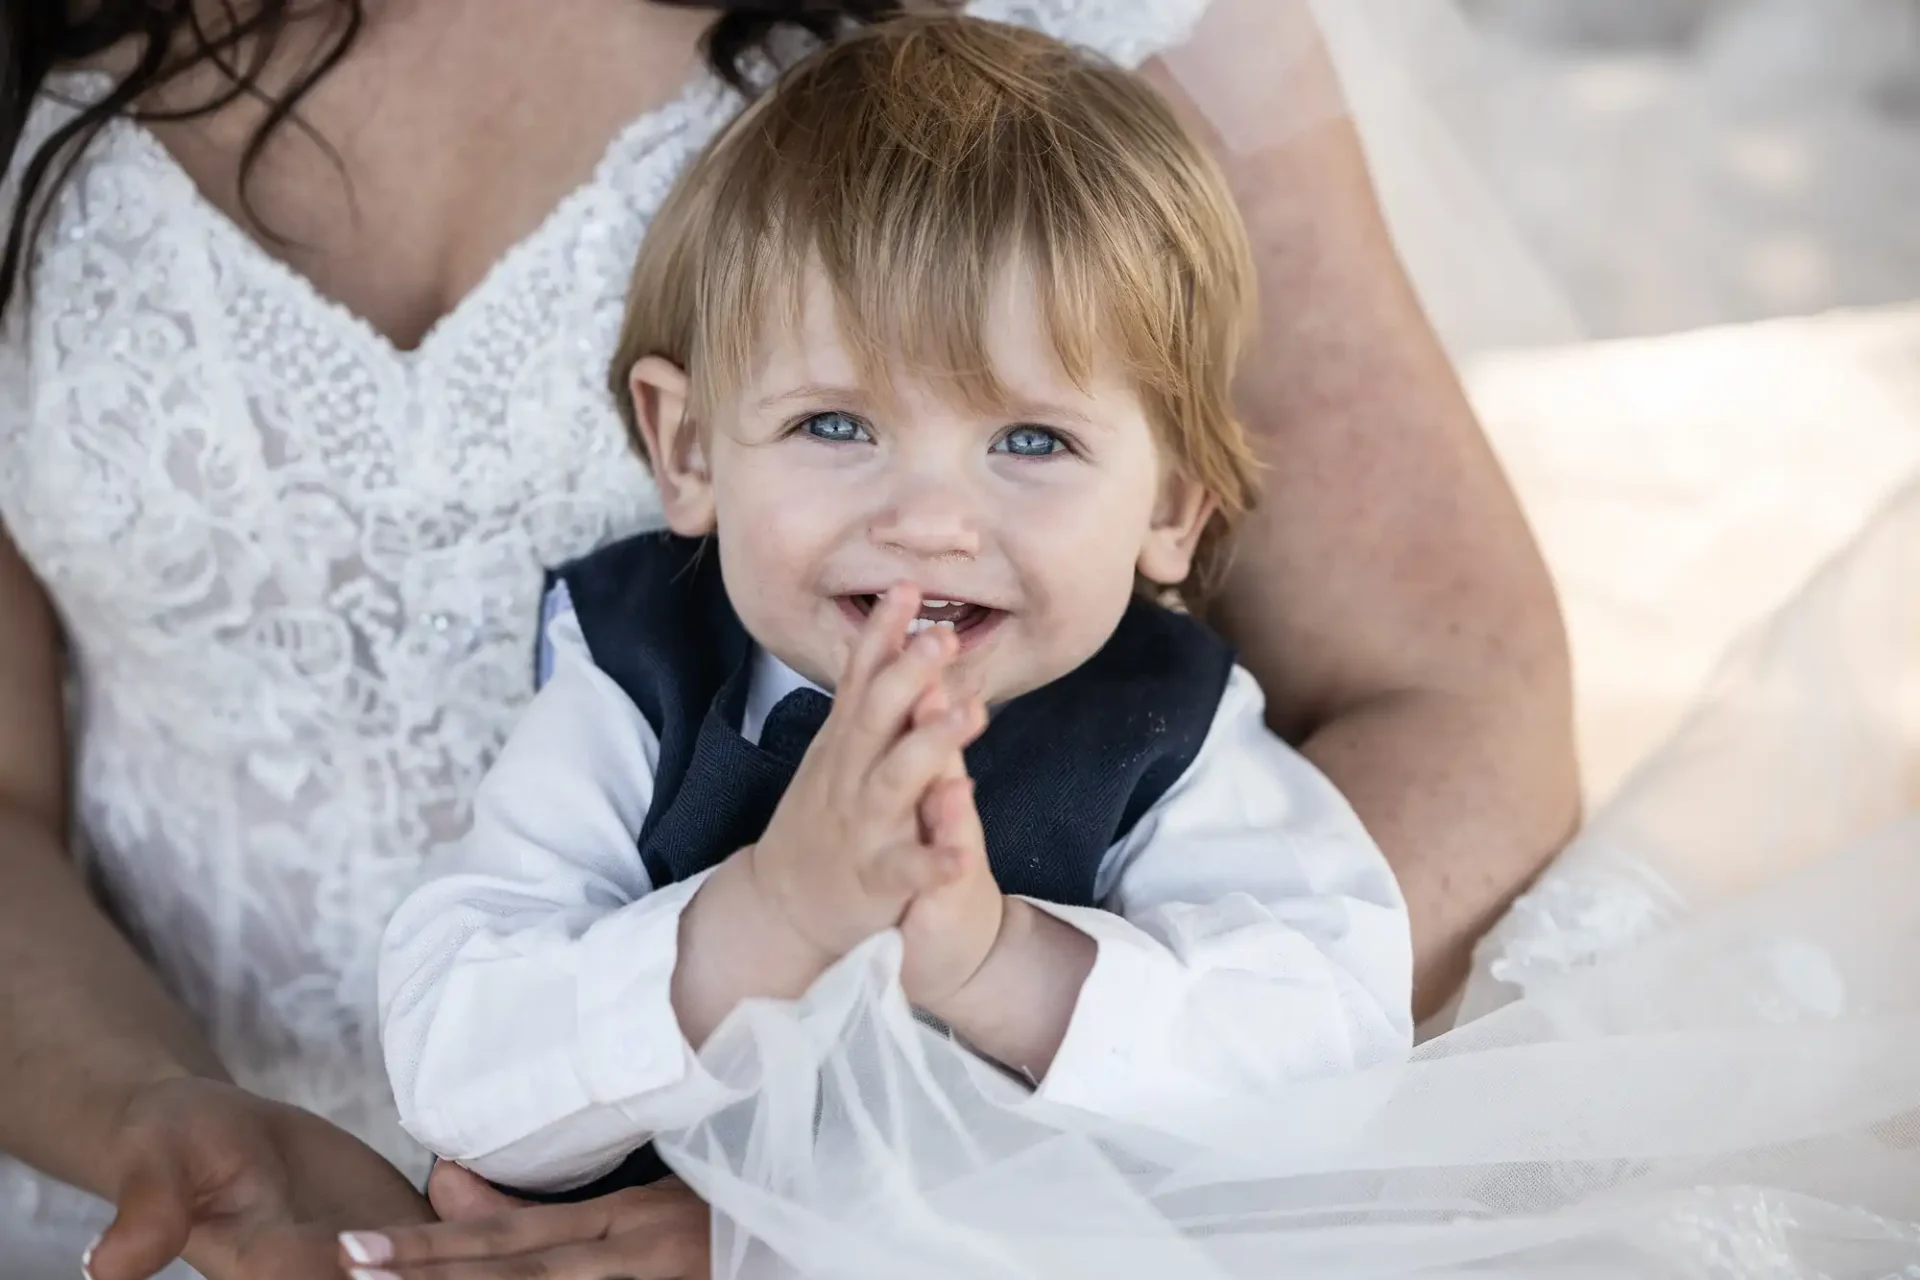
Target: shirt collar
x,y
770,681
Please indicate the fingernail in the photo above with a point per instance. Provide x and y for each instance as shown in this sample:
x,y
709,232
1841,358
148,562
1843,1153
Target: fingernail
x,y
362,1273
86,1257
366,1247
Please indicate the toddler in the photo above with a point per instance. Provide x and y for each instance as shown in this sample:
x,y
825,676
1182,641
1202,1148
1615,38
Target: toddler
x,y
930,357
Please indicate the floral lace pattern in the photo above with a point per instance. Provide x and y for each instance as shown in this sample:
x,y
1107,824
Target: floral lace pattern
x,y
1581,911
300,569
1753,1233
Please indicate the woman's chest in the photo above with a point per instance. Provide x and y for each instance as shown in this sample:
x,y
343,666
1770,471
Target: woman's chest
x,y
440,136
202,438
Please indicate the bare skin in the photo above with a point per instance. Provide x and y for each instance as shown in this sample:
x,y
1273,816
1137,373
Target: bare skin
x,y
1387,592
1388,596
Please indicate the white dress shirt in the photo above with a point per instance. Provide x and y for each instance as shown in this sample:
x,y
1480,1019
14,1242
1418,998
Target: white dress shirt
x,y
1249,933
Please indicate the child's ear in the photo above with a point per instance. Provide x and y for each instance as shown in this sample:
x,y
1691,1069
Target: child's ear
x,y
659,390
1180,517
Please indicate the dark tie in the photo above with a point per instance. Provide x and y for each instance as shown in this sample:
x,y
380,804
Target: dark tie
x,y
792,723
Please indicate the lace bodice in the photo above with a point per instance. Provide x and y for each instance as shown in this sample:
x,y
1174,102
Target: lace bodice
x,y
300,569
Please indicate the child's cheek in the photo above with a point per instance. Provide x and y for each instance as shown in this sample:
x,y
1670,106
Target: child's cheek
x,y
783,526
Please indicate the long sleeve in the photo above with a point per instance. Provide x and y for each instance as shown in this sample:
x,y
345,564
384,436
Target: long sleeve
x,y
1253,934
525,987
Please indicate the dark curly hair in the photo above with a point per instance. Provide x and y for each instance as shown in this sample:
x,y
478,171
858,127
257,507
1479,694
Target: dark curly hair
x,y
38,36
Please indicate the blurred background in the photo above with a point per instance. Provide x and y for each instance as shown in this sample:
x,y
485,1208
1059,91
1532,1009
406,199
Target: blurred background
x,y
1675,246
1680,163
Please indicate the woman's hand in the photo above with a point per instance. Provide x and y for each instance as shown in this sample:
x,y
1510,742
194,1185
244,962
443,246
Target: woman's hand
x,y
661,1232
242,1188
458,1194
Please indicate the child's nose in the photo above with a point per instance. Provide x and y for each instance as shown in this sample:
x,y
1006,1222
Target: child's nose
x,y
929,520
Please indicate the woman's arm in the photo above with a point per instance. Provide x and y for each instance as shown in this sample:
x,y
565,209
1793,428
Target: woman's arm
x,y
105,1082
529,989
83,1024
1387,592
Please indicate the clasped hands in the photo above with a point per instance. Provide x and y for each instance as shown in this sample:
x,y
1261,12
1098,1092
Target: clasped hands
x,y
878,829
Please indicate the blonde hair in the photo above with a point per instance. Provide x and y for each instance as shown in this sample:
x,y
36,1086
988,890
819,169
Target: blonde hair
x,y
910,162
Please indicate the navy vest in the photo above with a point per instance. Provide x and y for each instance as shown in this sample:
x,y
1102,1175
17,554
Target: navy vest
x,y
1060,775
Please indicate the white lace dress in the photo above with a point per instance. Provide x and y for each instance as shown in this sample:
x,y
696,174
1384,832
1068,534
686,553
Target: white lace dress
x,y
300,569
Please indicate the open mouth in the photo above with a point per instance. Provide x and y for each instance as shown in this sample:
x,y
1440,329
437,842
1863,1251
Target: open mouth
x,y
970,622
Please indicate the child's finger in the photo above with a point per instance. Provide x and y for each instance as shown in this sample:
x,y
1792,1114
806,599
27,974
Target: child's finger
x,y
907,768
952,824
908,870
878,714
952,819
881,638
932,705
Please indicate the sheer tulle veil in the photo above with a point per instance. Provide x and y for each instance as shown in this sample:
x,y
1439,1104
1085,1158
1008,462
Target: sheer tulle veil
x,y
1693,1049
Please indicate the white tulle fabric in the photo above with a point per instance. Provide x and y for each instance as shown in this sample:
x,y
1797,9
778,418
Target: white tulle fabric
x,y
300,572
300,569
1691,1050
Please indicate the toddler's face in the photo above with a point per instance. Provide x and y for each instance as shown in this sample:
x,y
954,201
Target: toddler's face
x,y
1023,528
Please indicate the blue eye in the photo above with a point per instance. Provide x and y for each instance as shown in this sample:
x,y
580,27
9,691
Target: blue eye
x,y
1031,442
836,428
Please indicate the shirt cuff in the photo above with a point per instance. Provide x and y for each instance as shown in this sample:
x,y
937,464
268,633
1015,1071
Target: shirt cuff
x,y
633,1054
1111,1061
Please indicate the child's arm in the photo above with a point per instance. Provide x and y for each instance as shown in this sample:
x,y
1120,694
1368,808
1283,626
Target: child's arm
x,y
541,1003
1253,935
524,989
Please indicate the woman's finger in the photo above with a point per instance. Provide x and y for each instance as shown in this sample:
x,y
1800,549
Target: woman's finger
x,y
665,1207
881,638
636,1255
504,1235
150,1226
458,1194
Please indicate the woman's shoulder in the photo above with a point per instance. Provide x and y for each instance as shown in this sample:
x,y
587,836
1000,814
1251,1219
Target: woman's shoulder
x,y
62,98
1129,32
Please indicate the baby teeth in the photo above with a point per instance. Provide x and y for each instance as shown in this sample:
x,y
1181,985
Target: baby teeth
x,y
917,625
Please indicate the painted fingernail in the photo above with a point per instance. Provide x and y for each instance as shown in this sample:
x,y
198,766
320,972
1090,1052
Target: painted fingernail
x,y
367,1248
86,1258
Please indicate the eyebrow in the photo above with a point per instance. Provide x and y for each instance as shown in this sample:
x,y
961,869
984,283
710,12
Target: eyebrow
x,y
814,391
1046,411
1016,410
